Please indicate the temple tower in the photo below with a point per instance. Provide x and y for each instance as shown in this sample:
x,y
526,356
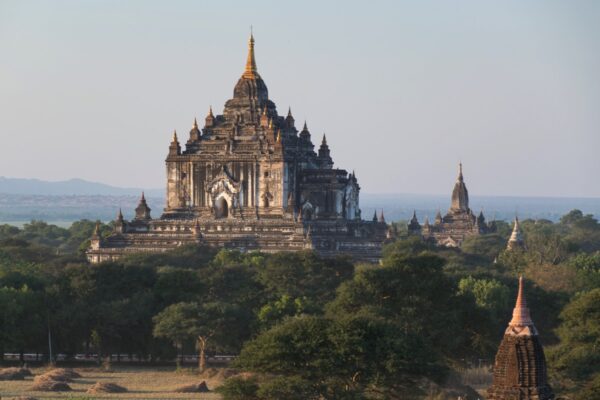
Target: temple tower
x,y
520,365
460,195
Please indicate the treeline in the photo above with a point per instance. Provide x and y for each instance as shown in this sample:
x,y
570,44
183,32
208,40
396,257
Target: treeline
x,y
316,327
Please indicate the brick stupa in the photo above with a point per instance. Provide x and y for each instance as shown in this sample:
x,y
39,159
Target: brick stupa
x,y
520,366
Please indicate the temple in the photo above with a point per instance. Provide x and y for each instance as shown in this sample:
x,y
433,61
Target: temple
x,y
520,365
249,180
459,223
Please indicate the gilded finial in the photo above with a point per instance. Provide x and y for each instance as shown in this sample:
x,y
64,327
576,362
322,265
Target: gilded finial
x,y
265,110
175,136
279,136
270,123
195,123
250,71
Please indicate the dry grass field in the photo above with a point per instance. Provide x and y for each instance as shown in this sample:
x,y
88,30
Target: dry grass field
x,y
141,383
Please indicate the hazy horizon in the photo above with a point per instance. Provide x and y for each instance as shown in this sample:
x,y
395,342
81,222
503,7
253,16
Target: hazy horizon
x,y
404,90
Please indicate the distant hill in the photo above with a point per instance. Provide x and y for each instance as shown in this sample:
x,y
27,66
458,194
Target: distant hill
x,y
68,188
22,200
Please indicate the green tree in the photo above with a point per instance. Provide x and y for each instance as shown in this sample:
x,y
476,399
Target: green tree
x,y
489,294
577,356
203,323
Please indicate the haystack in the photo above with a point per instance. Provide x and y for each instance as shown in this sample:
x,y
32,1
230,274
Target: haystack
x,y
67,373
194,388
47,377
14,374
43,385
106,387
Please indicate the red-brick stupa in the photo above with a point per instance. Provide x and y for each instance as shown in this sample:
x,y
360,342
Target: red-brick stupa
x,y
520,366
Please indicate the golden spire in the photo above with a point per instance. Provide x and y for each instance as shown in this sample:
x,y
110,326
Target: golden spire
x,y
250,71
174,136
195,124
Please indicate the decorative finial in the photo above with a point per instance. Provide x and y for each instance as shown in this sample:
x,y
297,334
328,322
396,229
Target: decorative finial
x,y
143,197
289,111
324,141
250,71
279,136
120,215
270,123
175,136
265,110
460,174
305,128
195,123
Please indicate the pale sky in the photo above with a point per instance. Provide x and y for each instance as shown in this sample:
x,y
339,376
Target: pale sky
x,y
404,90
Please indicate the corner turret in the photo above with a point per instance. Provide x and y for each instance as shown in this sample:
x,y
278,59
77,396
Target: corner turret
x,y
325,159
174,147
142,211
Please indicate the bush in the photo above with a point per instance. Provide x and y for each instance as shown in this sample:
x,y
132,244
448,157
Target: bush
x,y
239,389
289,388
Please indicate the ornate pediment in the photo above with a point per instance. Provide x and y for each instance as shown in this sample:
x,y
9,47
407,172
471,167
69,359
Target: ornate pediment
x,y
223,182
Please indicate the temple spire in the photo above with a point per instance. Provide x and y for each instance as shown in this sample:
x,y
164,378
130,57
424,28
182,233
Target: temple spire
x,y
460,194
250,71
521,317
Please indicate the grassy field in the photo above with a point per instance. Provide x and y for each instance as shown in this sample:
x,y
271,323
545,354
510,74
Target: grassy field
x,y
141,383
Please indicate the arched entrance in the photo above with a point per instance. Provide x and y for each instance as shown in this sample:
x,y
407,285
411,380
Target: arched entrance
x,y
221,208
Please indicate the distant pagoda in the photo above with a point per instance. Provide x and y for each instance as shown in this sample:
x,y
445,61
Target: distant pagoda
x,y
458,224
516,238
520,366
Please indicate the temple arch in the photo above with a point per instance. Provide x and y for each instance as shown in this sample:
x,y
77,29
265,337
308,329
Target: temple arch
x,y
221,207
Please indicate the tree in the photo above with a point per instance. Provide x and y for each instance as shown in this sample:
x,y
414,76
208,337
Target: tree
x,y
487,246
489,294
412,290
303,274
578,354
341,358
201,322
